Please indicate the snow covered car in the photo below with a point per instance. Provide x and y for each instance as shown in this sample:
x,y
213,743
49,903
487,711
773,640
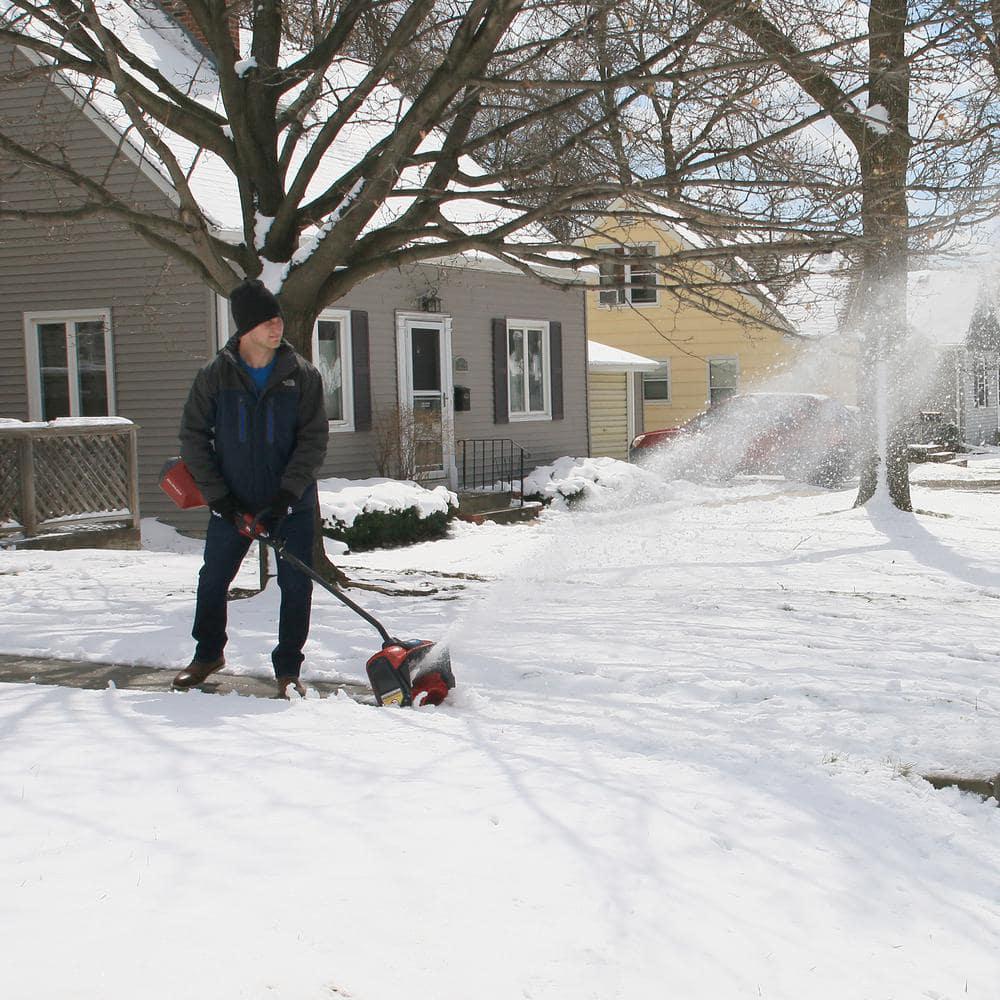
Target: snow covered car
x,y
800,436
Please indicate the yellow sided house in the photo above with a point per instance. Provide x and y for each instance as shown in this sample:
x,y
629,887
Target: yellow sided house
x,y
705,352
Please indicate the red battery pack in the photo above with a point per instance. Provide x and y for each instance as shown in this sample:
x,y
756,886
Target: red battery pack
x,y
178,483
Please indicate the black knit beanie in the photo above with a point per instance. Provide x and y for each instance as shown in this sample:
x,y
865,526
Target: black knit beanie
x,y
252,304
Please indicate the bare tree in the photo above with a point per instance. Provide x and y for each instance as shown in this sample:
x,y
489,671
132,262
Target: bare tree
x,y
275,119
919,125
502,127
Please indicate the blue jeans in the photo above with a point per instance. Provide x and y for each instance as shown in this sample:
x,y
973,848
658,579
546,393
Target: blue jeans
x,y
225,548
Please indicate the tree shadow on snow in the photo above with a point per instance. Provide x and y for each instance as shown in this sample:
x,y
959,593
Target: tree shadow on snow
x,y
907,533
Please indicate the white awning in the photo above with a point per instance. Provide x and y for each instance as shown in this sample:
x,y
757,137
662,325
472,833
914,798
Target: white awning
x,y
601,358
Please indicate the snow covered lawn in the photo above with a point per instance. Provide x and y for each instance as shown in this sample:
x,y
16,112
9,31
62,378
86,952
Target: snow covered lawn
x,y
982,466
682,762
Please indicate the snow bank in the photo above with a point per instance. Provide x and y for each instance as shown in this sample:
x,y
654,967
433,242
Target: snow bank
x,y
12,423
571,479
344,500
984,466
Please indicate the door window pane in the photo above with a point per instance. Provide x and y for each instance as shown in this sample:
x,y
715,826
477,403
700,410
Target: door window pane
x,y
54,370
92,368
426,350
536,372
330,362
515,369
428,433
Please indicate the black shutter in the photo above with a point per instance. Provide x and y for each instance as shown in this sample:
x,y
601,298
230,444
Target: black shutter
x,y
556,368
501,408
361,373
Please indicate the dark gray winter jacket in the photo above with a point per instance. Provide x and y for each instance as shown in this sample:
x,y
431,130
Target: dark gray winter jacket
x,y
235,441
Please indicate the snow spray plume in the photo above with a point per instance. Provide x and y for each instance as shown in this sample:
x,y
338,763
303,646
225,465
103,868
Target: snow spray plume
x,y
921,372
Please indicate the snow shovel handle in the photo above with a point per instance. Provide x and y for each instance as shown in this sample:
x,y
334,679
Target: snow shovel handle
x,y
254,530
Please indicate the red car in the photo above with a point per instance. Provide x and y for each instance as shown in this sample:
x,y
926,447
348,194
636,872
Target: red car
x,y
797,435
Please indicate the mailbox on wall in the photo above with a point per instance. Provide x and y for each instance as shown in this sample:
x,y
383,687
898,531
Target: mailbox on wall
x,y
463,399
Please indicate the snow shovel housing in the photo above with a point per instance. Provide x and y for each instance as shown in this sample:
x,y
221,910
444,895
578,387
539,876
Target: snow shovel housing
x,y
402,672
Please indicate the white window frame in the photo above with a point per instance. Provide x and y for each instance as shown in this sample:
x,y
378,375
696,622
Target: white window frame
x,y
663,373
980,380
525,325
69,317
222,331
708,373
623,293
343,316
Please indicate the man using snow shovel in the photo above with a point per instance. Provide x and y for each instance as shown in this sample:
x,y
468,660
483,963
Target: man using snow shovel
x,y
254,435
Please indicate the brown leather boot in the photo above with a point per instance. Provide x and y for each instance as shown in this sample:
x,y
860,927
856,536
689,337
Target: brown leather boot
x,y
196,672
286,685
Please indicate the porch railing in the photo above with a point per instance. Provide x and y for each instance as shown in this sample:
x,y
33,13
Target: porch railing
x,y
58,476
491,464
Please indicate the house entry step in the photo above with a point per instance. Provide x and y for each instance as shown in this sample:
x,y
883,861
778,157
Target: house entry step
x,y
929,453
476,501
499,507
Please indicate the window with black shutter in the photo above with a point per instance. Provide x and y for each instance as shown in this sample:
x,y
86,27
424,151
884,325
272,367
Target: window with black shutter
x,y
340,353
527,370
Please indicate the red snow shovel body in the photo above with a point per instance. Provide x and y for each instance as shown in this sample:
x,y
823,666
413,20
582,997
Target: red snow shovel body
x,y
403,672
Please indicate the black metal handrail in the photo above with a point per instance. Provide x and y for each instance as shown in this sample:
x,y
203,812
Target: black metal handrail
x,y
491,463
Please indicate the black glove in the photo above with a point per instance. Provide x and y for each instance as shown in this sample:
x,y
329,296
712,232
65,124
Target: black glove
x,y
227,507
281,505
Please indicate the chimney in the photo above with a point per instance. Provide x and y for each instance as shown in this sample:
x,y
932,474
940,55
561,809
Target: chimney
x,y
178,10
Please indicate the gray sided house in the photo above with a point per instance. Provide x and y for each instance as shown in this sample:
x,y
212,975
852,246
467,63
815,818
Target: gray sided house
x,y
951,359
954,317
94,320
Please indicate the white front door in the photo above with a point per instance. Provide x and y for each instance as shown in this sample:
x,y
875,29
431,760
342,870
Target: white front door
x,y
423,344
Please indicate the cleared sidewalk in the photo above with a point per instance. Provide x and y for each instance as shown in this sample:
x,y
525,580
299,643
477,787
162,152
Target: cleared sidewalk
x,y
97,676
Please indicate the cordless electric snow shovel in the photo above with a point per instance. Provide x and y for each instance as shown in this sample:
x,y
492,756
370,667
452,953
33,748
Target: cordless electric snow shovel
x,y
402,672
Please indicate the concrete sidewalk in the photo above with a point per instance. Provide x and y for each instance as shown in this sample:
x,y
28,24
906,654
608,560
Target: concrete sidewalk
x,y
96,676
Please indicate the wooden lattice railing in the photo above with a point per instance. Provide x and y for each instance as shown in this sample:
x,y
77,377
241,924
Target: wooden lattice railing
x,y
58,475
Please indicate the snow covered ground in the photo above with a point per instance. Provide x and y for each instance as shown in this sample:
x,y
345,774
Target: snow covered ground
x,y
983,465
682,762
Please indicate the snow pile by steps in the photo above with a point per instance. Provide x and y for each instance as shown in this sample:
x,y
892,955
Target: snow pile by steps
x,y
344,500
571,479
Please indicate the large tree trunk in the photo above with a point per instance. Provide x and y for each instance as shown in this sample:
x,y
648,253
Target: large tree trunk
x,y
884,157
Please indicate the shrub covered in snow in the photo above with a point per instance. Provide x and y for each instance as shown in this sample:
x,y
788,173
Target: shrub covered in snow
x,y
569,480
377,513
